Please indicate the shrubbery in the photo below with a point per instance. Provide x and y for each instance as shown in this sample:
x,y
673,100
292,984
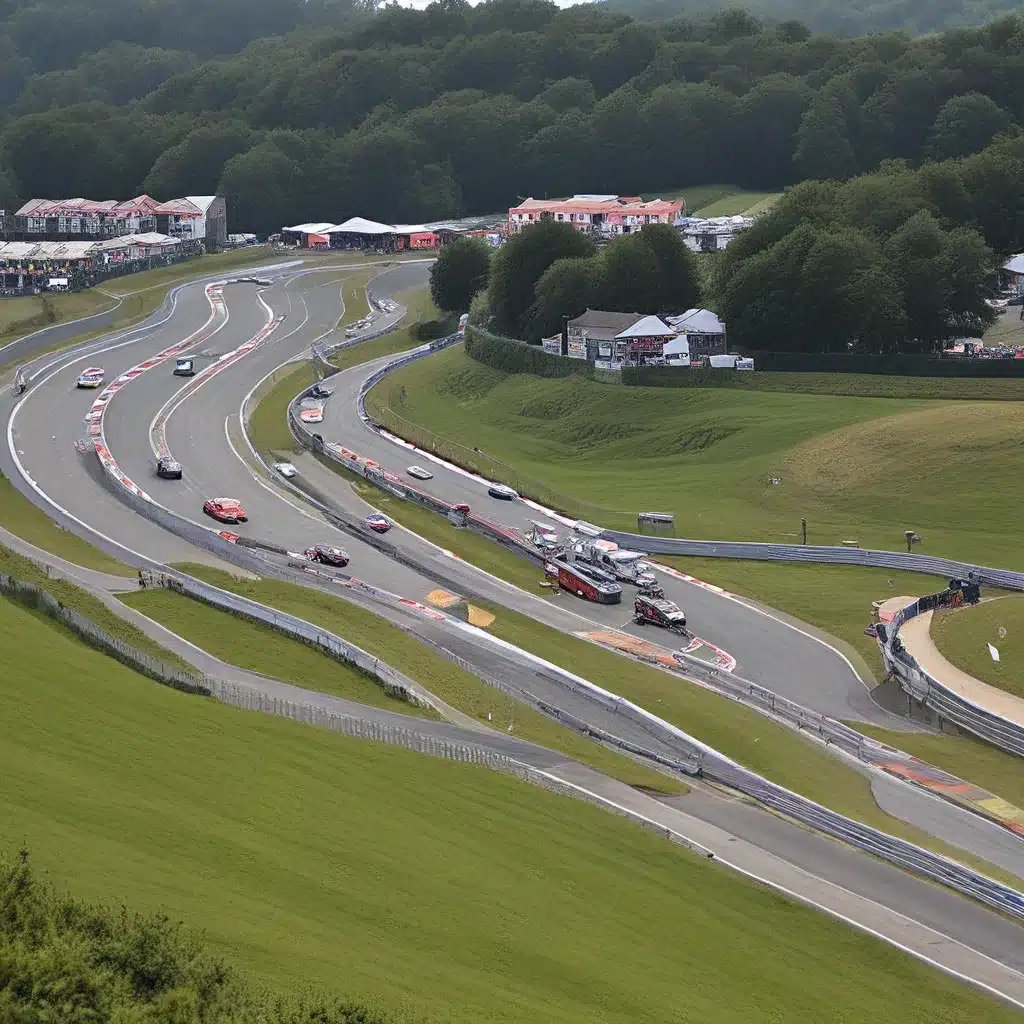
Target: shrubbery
x,y
63,960
518,357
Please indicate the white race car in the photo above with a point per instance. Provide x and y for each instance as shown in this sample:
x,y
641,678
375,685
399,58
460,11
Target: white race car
x,y
312,415
91,378
503,492
420,473
285,469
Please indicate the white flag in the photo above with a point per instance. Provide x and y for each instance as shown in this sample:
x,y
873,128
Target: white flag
x,y
994,652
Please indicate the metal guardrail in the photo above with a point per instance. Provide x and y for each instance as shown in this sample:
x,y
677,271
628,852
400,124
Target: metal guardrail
x,y
917,683
944,702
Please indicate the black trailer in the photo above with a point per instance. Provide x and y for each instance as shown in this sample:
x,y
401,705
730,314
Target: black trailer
x,y
656,611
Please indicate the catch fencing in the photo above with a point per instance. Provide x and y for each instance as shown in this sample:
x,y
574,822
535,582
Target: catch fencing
x,y
36,597
948,705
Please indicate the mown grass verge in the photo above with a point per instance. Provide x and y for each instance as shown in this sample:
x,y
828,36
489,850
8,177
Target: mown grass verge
x,y
305,856
21,517
85,604
453,685
259,648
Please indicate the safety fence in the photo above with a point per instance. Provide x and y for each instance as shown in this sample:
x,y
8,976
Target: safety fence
x,y
712,764
948,705
945,703
36,597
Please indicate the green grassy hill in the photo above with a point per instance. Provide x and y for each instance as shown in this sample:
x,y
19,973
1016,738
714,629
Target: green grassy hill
x,y
858,468
439,889
963,637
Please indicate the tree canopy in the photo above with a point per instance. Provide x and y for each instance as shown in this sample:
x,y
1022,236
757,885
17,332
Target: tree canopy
x,y
459,273
409,115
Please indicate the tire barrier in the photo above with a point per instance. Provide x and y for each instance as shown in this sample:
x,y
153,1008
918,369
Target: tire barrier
x,y
920,686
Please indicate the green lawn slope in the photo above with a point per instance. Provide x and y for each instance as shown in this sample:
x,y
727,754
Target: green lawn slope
x,y
856,468
444,890
963,637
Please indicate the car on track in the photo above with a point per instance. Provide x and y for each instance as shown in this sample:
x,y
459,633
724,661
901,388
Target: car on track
x,y
167,468
420,473
319,391
378,523
184,368
225,510
286,469
92,377
656,611
461,507
502,492
315,415
326,554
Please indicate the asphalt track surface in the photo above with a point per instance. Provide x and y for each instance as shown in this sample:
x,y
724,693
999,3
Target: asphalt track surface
x,y
768,651
52,420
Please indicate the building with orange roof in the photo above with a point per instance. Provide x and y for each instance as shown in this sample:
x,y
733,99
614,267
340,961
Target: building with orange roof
x,y
602,215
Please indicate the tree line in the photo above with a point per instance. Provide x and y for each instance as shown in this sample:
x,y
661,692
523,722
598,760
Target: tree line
x,y
405,115
901,260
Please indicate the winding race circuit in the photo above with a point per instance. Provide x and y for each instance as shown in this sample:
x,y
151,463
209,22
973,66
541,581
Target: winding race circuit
x,y
238,334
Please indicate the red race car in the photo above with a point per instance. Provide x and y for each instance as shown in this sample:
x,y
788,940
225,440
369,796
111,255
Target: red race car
x,y
378,523
225,510
327,555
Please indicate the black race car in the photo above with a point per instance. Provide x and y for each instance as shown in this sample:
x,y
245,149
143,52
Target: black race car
x,y
167,468
319,391
657,611
327,555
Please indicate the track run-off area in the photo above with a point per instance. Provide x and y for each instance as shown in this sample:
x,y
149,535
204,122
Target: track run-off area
x,y
202,426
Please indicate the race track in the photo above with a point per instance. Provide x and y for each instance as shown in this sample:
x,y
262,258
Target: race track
x,y
203,432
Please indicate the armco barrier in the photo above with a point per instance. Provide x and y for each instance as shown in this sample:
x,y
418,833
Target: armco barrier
x,y
944,702
916,682
713,764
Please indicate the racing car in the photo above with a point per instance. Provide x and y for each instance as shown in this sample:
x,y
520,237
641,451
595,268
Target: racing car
x,y
327,555
286,469
319,391
167,468
312,415
378,523
225,510
656,611
184,368
419,473
502,492
92,377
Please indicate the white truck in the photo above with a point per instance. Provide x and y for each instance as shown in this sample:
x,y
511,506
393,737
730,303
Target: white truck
x,y
626,566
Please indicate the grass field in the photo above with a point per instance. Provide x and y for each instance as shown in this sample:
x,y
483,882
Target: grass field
x,y
19,516
963,637
83,602
307,856
718,200
707,456
436,674
258,648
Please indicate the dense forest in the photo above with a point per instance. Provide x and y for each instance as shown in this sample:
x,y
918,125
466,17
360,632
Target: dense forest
x,y
406,115
838,17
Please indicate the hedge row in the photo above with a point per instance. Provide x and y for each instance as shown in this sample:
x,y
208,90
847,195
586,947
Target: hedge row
x,y
900,365
517,357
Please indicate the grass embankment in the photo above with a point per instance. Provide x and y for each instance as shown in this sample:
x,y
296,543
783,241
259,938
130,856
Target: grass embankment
x,y
258,648
30,313
863,469
456,687
963,636
315,857
85,604
19,516
719,200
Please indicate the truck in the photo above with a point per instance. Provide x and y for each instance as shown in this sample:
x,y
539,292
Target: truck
x,y
585,581
625,566
649,610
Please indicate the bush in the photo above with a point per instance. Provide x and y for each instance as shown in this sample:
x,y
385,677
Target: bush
x,y
517,357
64,960
430,330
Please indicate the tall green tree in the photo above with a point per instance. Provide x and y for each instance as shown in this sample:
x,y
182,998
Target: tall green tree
x,y
519,264
459,272
259,186
678,285
823,147
965,124
565,289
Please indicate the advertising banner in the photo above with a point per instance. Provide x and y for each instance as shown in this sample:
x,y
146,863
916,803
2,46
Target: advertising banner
x,y
577,350
552,345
